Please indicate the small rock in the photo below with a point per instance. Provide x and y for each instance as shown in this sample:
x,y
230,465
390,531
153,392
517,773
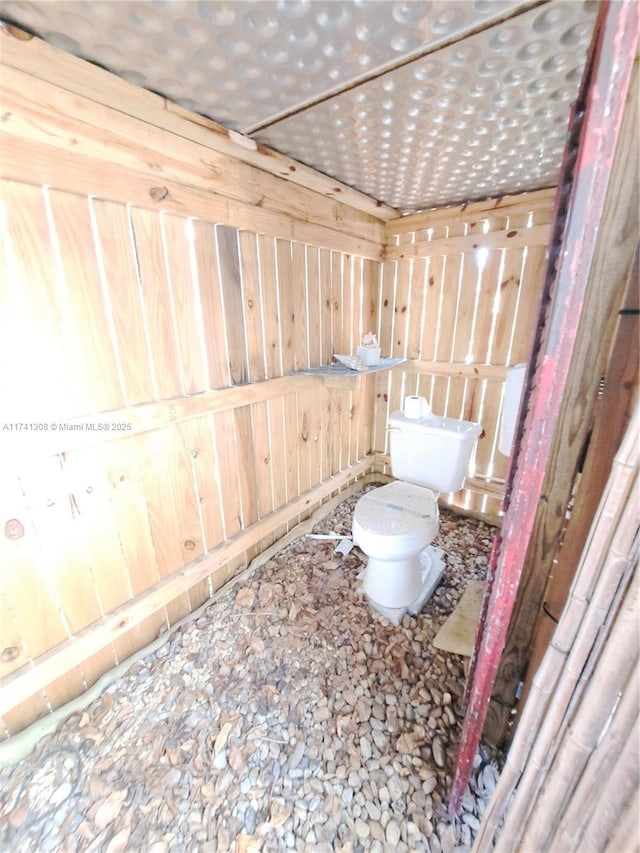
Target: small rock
x,y
373,810
362,829
365,748
362,710
279,813
222,737
392,833
247,844
250,819
220,760
347,795
471,820
437,748
110,809
245,597
322,714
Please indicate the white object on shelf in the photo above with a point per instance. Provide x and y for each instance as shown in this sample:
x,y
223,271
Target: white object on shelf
x,y
370,355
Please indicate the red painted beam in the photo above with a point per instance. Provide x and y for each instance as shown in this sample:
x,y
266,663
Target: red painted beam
x,y
603,94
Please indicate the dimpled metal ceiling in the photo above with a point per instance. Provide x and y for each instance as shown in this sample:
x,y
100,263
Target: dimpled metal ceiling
x,y
415,103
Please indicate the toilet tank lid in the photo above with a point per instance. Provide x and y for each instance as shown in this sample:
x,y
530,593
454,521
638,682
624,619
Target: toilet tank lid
x,y
434,424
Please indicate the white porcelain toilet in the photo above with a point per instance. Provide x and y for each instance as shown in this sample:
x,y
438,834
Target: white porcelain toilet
x,y
394,524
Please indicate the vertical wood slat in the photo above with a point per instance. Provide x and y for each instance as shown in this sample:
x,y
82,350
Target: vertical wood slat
x,y
292,449
287,305
178,236
198,434
102,554
337,303
225,442
370,291
300,311
113,236
160,480
346,311
326,307
386,308
245,461
252,305
122,464
262,458
197,438
156,299
31,311
278,451
230,281
270,308
83,298
314,308
212,313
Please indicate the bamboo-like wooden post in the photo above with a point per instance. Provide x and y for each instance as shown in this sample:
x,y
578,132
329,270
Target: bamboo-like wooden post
x,y
617,790
588,792
597,704
625,835
603,572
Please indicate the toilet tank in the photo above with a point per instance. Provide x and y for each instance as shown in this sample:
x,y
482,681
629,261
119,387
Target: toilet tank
x,y
433,452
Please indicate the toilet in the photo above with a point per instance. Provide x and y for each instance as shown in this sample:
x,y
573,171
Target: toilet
x,y
394,524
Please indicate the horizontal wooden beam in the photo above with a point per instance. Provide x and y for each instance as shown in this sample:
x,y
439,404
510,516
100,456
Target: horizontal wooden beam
x,y
62,436
508,205
52,137
490,372
23,683
68,72
37,164
515,238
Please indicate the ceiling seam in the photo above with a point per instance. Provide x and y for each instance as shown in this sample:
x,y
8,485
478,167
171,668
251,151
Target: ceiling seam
x,y
381,71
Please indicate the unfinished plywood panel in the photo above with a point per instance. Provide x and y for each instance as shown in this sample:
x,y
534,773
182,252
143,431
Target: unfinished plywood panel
x,y
459,296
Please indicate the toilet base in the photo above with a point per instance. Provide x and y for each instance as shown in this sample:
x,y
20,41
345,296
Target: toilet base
x,y
432,570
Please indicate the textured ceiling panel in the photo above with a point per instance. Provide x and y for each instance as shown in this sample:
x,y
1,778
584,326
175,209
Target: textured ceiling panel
x,y
242,63
486,116
345,85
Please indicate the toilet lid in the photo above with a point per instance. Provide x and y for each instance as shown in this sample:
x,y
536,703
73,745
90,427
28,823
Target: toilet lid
x,y
397,509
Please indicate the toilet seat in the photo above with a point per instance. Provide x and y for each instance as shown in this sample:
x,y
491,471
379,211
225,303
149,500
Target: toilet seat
x,y
397,509
395,519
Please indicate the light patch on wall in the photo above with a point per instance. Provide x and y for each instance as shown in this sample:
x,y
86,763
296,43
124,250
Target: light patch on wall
x,y
482,256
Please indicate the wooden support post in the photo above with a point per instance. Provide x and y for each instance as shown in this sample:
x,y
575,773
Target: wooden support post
x,y
611,418
608,74
611,268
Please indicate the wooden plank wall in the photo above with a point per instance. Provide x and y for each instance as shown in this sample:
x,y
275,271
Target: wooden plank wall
x,y
459,299
106,307
157,297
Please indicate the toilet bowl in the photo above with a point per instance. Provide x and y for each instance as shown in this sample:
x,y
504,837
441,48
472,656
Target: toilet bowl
x,y
393,525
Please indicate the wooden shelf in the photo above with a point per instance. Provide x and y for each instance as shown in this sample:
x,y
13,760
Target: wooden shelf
x,y
342,370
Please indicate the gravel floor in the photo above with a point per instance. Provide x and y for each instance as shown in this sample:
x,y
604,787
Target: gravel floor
x,y
289,716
